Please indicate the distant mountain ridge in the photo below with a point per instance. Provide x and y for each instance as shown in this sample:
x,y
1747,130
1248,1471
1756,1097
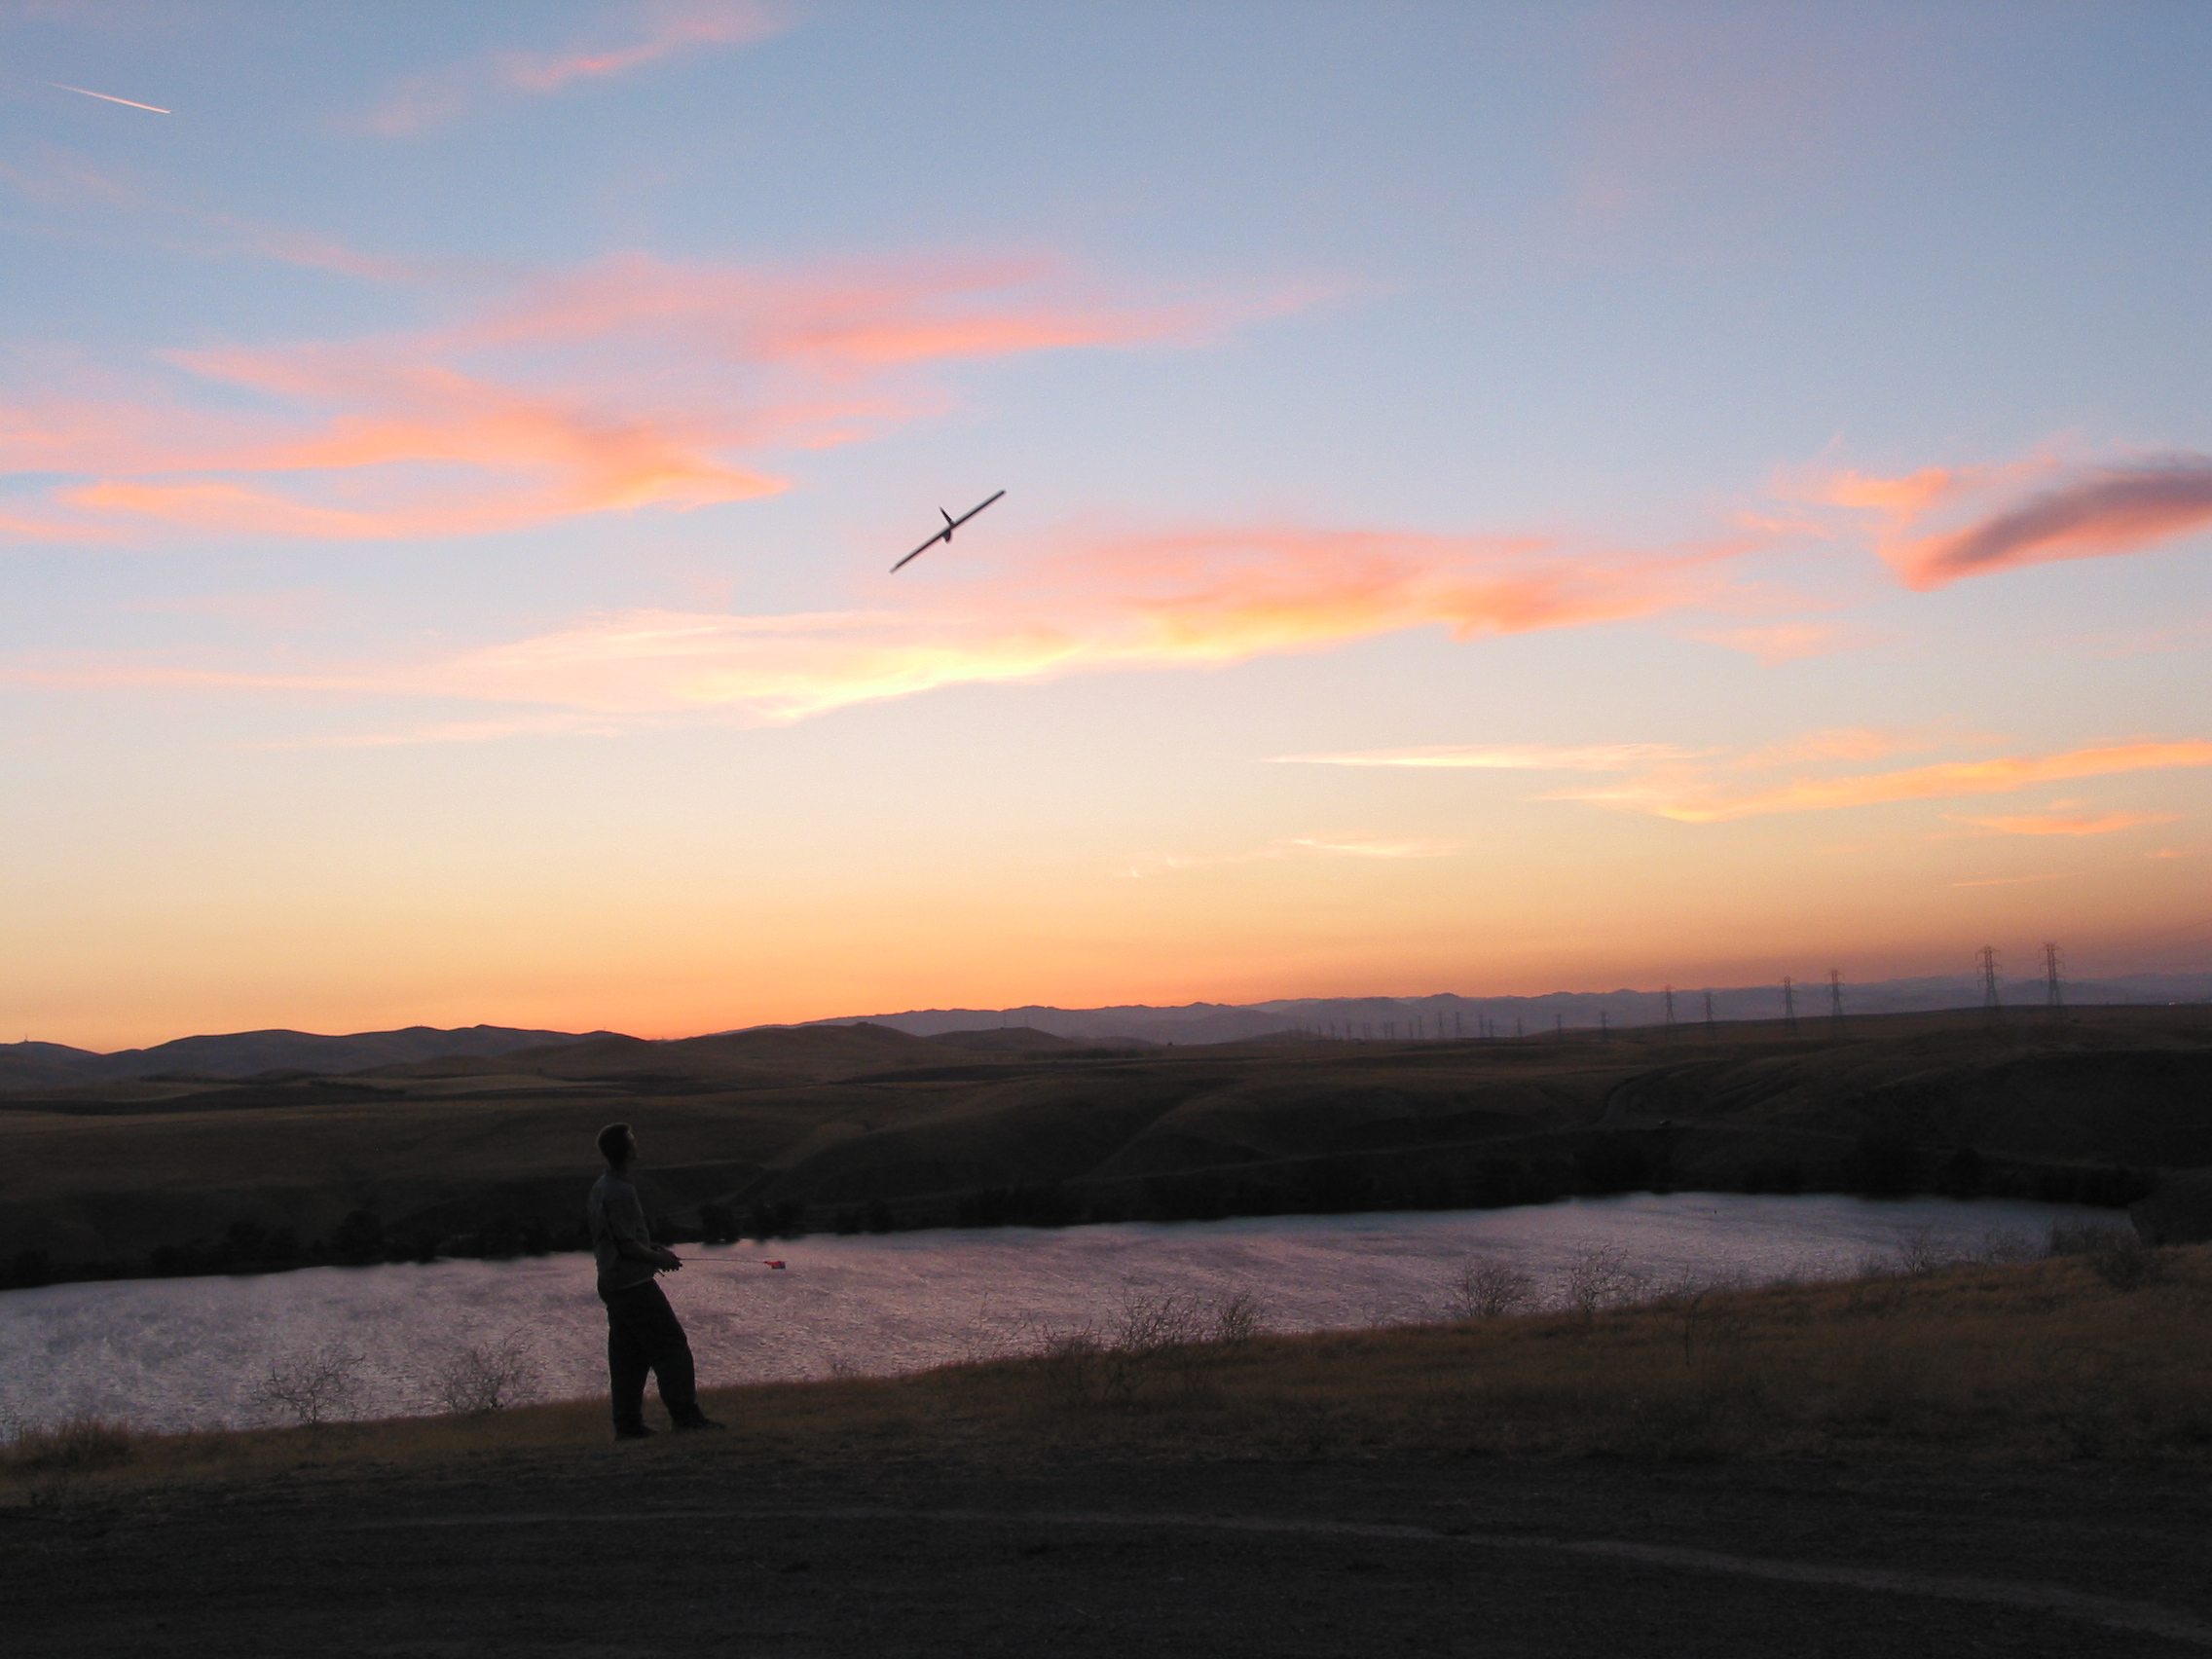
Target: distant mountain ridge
x,y
245,1054
1449,1014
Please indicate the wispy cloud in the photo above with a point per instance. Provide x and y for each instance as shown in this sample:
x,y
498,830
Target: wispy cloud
x,y
2032,512
2059,824
2009,880
73,193
1298,847
1524,758
1694,785
1843,743
1692,798
1129,601
1776,642
632,37
625,385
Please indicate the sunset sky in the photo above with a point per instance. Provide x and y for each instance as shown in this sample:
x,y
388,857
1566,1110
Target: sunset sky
x,y
1499,499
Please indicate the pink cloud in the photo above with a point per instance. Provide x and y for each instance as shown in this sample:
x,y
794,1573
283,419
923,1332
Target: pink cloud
x,y
2100,512
1180,599
647,34
51,177
1516,757
1299,847
1777,642
629,384
2057,823
1692,799
2089,512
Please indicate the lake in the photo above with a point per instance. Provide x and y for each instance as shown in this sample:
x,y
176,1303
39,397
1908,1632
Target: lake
x,y
197,1352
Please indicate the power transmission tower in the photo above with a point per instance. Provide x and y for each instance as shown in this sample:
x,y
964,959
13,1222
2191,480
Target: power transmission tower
x,y
1519,1028
2053,986
1990,999
1835,1000
1605,1025
1789,1004
1711,1027
1668,994
1558,1027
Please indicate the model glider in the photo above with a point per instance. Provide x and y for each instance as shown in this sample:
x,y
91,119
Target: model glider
x,y
944,535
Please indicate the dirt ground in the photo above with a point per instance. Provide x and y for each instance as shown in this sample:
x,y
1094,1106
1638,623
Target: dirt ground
x,y
687,1548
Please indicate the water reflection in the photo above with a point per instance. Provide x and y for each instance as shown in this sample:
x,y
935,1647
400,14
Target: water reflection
x,y
193,1353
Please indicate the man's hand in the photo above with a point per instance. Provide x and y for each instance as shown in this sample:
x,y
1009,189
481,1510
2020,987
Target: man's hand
x,y
668,1260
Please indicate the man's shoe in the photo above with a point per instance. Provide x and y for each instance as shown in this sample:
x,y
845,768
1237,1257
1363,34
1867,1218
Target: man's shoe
x,y
633,1432
694,1423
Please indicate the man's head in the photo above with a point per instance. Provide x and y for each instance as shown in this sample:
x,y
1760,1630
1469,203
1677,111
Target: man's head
x,y
617,1145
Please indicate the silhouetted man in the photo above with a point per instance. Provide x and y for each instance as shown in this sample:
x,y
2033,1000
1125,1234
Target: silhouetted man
x,y
642,1332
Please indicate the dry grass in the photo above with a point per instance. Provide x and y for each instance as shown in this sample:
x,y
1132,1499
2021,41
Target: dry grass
x,y
2102,1354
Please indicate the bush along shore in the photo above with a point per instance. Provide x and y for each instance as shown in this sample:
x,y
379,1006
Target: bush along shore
x,y
1602,1167
2093,1350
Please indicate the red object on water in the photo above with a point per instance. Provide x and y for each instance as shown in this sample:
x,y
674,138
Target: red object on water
x,y
775,1263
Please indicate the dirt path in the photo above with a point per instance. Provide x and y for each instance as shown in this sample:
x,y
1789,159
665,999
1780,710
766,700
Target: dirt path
x,y
680,1550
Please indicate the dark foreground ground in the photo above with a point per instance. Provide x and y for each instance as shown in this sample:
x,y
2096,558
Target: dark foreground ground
x,y
688,1549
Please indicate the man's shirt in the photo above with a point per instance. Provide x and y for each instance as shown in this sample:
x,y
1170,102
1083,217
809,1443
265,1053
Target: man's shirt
x,y
615,1212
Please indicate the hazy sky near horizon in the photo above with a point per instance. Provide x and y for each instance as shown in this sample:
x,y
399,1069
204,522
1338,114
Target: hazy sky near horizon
x,y
1499,499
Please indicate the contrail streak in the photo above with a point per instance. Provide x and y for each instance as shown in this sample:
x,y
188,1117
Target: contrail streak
x,y
89,92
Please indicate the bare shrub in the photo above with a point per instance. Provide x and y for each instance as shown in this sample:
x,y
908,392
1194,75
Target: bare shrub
x,y
2006,1244
83,1445
1073,1360
2125,1263
1917,1253
1143,1324
1483,1289
2085,1237
1238,1317
1176,1336
485,1377
1704,1309
1601,1276
314,1386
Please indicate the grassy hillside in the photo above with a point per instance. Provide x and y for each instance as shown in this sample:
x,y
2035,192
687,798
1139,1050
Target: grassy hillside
x,y
860,1125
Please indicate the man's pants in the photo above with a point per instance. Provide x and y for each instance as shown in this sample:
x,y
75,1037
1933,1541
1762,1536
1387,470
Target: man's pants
x,y
643,1334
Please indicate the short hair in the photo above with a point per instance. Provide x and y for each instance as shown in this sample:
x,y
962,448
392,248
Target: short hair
x,y
614,1143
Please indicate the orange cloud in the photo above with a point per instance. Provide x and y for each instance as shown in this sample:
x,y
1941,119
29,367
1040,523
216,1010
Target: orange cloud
x,y
1691,802
1529,758
1842,743
1197,598
629,384
1192,599
657,31
2052,823
1300,846
1774,642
